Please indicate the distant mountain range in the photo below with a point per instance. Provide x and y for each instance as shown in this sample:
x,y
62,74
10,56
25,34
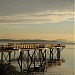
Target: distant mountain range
x,y
58,41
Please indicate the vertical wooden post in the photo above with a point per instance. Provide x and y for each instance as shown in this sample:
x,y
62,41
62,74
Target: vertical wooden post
x,y
2,54
14,54
51,55
45,56
2,57
28,61
21,57
34,58
21,60
9,57
58,54
40,56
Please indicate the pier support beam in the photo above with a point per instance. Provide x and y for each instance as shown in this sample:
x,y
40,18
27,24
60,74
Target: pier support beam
x,y
45,56
2,57
9,58
58,54
28,61
20,60
21,54
14,54
51,55
34,58
40,56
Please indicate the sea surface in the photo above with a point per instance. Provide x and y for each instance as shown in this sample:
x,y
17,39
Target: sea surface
x,y
67,68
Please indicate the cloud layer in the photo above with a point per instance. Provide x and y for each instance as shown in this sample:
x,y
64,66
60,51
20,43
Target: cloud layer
x,y
11,7
49,16
35,11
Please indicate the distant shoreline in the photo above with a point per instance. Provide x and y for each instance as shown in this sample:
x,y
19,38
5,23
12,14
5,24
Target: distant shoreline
x,y
36,41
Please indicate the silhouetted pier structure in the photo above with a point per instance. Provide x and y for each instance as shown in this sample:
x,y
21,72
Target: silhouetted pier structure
x,y
32,57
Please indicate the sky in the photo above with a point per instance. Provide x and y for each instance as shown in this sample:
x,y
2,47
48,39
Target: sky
x,y
37,19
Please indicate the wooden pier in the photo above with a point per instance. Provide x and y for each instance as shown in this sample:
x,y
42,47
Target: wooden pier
x,y
35,57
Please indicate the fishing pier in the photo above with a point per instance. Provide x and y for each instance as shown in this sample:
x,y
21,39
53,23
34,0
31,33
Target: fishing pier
x,y
32,57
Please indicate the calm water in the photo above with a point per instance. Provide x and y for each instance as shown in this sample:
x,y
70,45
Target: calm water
x,y
66,68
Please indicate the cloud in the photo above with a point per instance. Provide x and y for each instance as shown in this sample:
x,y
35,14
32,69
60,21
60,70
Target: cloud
x,y
49,16
11,7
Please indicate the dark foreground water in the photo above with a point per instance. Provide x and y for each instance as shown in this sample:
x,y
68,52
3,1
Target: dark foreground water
x,y
67,68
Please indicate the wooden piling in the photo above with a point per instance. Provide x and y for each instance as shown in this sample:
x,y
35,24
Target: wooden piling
x,y
1,57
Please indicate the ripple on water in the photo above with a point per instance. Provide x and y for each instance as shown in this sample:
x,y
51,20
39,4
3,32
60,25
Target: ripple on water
x,y
60,70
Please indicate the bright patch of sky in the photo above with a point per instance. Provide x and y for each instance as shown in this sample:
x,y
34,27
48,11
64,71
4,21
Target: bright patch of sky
x,y
55,28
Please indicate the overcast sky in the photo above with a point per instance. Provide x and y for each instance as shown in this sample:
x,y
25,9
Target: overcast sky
x,y
37,19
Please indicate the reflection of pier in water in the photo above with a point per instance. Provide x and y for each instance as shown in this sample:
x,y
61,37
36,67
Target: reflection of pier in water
x,y
32,57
